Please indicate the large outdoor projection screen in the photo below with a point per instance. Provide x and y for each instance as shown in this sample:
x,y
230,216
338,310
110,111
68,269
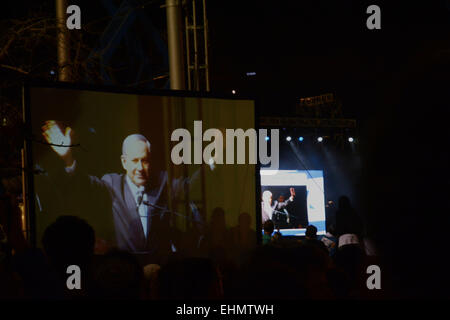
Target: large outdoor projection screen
x,y
94,184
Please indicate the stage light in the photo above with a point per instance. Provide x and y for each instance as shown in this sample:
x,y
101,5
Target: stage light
x,y
288,138
300,139
350,139
320,139
267,138
233,91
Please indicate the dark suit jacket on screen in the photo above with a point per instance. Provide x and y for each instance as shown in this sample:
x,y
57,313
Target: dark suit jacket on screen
x,y
109,206
127,223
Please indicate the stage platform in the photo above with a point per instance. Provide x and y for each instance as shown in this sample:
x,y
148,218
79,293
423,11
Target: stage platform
x,y
300,232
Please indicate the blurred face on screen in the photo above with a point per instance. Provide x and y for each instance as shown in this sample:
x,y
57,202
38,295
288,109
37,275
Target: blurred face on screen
x,y
267,197
136,161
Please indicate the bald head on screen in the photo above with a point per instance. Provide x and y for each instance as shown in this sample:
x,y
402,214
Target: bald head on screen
x,y
136,158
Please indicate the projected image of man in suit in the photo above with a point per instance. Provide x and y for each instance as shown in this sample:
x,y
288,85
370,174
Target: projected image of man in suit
x,y
136,158
140,221
136,162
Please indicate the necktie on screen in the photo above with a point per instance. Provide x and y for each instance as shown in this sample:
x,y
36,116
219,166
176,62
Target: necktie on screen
x,y
141,199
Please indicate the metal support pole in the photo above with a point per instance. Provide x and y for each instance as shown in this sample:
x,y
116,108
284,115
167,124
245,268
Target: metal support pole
x,y
62,41
24,195
175,44
205,37
188,53
194,26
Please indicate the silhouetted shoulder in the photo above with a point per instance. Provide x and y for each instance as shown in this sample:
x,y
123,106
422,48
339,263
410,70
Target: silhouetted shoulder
x,y
112,179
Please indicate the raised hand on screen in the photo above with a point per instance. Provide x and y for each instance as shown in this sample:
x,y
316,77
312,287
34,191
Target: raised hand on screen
x,y
60,142
292,190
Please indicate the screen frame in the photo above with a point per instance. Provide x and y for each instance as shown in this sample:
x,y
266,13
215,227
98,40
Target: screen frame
x,y
29,197
310,191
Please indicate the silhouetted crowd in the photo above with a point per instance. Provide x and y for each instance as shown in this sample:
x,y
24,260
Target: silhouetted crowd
x,y
226,265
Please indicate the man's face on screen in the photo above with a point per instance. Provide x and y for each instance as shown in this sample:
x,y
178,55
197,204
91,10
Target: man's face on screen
x,y
136,162
267,197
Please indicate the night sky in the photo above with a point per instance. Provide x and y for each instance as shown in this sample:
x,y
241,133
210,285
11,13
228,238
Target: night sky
x,y
305,48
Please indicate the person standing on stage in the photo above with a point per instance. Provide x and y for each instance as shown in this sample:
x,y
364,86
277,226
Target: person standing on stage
x,y
267,209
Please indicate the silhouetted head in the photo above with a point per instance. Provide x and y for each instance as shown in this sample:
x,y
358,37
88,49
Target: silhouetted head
x,y
69,241
117,275
277,236
190,278
331,229
268,227
218,217
344,202
311,232
245,220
